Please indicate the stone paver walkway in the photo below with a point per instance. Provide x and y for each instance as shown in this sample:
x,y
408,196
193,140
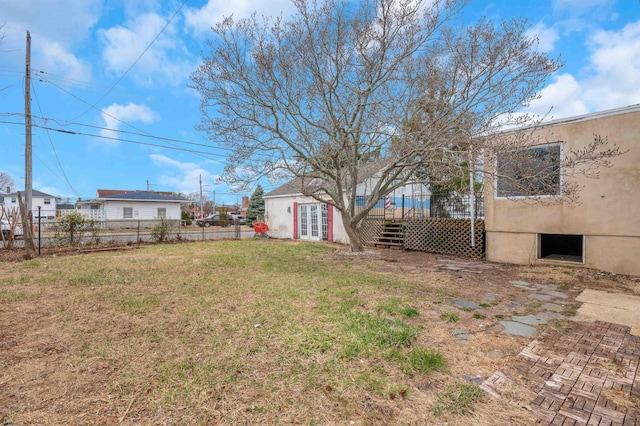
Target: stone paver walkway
x,y
586,376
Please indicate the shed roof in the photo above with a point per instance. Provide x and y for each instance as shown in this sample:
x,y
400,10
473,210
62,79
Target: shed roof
x,y
309,184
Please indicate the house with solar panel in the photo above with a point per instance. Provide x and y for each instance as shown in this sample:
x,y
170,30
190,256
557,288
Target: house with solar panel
x,y
111,205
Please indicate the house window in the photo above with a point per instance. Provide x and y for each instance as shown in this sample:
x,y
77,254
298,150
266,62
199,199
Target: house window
x,y
568,248
47,200
127,212
95,206
162,212
529,173
13,200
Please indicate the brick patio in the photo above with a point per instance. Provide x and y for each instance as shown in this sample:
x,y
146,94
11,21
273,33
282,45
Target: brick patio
x,y
584,376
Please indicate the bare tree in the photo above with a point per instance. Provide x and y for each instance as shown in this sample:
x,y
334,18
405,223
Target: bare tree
x,y
381,89
6,181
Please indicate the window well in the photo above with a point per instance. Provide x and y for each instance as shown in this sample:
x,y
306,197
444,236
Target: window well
x,y
567,248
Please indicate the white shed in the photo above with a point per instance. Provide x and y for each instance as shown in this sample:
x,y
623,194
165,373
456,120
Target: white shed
x,y
292,215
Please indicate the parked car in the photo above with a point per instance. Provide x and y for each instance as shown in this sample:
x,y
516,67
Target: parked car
x,y
233,217
6,229
212,219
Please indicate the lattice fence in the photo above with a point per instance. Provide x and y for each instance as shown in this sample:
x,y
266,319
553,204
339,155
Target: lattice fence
x,y
444,236
370,230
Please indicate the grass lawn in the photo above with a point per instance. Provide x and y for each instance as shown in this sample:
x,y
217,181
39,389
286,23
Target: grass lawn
x,y
246,332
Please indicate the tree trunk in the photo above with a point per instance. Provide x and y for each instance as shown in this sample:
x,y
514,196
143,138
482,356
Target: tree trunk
x,y
355,243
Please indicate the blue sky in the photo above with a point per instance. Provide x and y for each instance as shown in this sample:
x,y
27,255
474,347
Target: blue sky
x,y
89,65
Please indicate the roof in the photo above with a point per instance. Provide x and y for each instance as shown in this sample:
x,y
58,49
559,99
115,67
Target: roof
x,y
142,196
108,192
310,184
294,186
577,118
34,193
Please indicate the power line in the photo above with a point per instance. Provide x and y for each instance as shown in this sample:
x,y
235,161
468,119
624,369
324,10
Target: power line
x,y
68,80
109,115
144,134
70,132
133,64
66,179
204,153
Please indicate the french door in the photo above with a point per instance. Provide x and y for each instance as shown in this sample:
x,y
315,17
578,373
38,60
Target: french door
x,y
313,221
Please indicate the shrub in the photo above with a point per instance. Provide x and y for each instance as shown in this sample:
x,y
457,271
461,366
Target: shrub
x,y
73,228
160,232
186,218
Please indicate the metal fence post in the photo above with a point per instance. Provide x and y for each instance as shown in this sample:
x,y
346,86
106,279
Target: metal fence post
x,y
138,235
39,227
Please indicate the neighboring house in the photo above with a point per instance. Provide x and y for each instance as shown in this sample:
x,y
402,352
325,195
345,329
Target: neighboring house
x,y
602,231
64,208
292,215
46,202
136,205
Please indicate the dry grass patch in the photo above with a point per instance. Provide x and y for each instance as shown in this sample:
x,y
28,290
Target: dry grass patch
x,y
246,332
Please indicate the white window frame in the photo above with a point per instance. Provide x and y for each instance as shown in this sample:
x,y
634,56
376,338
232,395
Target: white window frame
x,y
124,212
496,196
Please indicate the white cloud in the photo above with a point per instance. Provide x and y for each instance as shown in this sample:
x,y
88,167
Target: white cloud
x,y
547,36
63,21
164,63
114,115
559,99
185,177
57,27
609,80
57,60
201,20
614,67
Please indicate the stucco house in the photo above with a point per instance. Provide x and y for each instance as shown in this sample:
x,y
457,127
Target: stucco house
x,y
46,202
603,230
292,215
134,205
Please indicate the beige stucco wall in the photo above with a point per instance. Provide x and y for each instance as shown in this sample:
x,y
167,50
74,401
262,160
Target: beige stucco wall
x,y
608,213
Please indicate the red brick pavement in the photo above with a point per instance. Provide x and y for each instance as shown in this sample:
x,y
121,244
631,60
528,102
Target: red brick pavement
x,y
585,376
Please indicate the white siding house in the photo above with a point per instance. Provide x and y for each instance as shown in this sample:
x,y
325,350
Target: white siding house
x,y
137,205
46,202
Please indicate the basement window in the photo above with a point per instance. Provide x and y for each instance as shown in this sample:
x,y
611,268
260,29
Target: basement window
x,y
566,248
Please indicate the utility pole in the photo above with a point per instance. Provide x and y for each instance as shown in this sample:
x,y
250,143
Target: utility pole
x,y
214,200
28,170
